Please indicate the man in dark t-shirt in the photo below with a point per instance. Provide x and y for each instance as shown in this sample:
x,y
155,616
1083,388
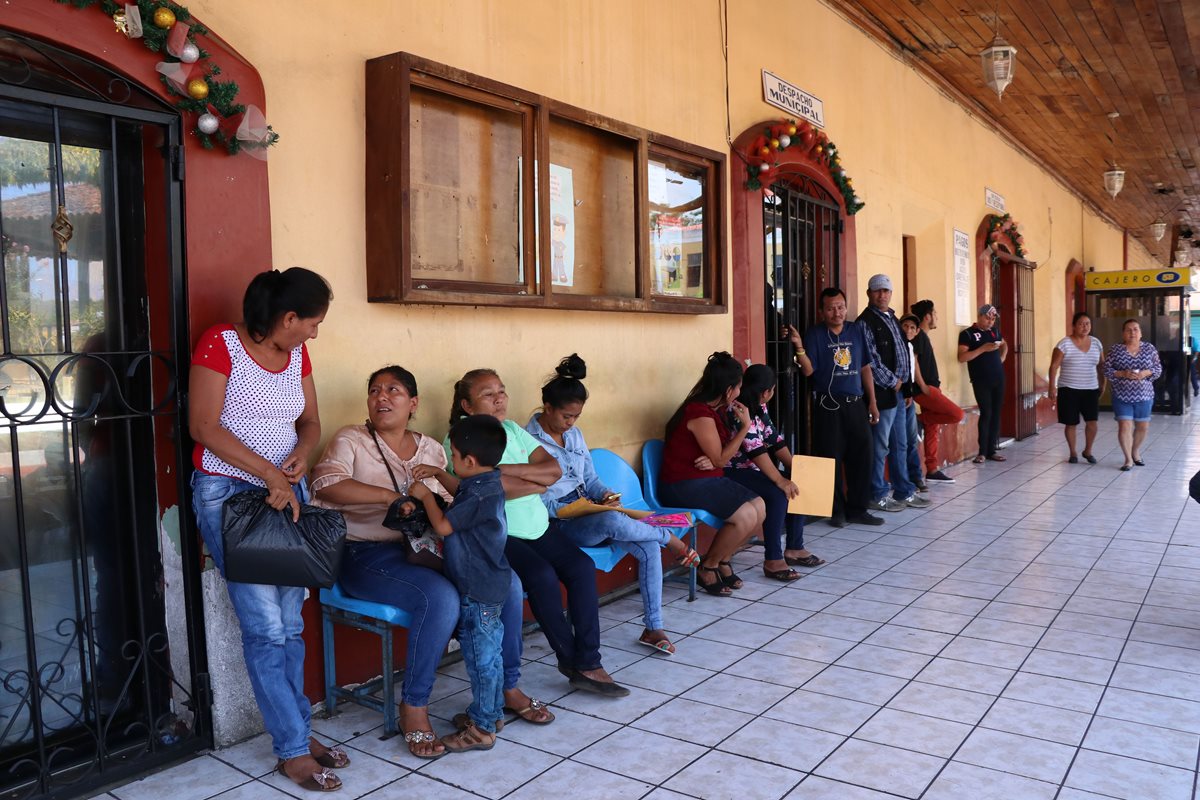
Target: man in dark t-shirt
x,y
982,349
835,357
936,409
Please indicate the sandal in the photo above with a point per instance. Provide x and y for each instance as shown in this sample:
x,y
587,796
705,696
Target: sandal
x,y
689,559
806,561
717,587
731,580
979,459
332,758
460,721
996,457
784,575
323,781
530,712
469,738
656,642
414,738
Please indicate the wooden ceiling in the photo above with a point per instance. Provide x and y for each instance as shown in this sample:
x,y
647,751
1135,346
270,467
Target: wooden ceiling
x,y
1078,60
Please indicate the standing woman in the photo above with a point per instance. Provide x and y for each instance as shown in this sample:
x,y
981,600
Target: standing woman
x,y
563,397
1080,383
1131,368
542,560
697,434
253,415
756,466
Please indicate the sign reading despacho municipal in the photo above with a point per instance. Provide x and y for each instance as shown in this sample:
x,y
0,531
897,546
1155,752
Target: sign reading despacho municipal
x,y
793,99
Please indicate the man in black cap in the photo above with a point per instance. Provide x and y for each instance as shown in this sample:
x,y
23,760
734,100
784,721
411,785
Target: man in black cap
x,y
983,351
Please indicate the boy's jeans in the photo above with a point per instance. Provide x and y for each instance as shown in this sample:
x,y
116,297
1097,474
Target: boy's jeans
x,y
479,633
270,621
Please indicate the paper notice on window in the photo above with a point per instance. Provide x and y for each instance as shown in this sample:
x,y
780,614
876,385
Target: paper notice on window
x,y
562,226
814,476
962,278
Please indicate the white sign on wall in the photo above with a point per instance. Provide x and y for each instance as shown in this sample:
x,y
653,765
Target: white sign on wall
x,y
793,99
993,199
962,278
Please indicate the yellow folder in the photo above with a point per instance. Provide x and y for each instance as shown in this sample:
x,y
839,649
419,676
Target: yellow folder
x,y
815,478
582,507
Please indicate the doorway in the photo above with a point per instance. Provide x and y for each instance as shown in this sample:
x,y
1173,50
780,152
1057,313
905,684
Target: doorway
x,y
97,680
1011,283
802,228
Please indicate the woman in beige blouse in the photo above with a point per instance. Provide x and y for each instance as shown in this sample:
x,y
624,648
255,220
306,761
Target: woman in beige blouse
x,y
352,478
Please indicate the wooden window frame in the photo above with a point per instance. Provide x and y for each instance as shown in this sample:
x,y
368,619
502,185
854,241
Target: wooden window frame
x,y
389,82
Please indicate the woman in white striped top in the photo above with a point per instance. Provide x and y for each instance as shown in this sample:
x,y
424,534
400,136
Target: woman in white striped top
x,y
1076,363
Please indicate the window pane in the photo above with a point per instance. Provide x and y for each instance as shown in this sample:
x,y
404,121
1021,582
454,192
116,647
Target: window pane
x,y
592,225
465,190
677,248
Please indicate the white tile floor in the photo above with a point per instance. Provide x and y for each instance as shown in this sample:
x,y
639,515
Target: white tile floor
x,y
1035,634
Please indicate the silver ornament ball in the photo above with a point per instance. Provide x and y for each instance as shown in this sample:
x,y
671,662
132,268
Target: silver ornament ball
x,y
208,124
189,54
784,141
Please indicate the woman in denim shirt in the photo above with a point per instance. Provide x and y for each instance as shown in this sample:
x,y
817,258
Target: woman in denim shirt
x,y
554,426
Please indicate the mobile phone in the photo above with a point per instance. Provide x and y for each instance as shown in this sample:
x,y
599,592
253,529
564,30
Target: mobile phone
x,y
615,496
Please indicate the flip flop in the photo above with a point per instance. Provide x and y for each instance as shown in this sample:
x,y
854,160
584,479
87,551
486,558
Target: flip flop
x,y
784,575
689,559
978,459
323,781
333,758
662,645
809,560
421,737
996,457
534,705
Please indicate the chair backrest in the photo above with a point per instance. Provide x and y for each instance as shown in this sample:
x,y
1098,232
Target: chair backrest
x,y
652,456
619,477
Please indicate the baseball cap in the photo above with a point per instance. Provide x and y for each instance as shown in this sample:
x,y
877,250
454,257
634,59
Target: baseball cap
x,y
988,310
880,281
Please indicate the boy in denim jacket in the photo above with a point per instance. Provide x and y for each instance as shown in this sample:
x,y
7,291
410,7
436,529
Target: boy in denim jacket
x,y
475,533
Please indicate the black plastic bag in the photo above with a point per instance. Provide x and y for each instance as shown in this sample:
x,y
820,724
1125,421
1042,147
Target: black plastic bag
x,y
265,546
1194,487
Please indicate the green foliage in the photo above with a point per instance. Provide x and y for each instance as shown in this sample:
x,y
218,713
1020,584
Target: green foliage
x,y
27,163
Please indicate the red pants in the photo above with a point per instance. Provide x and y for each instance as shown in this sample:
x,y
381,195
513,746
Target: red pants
x,y
936,410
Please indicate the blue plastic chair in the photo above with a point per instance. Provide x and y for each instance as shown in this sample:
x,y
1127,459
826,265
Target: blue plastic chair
x,y
652,456
342,609
620,477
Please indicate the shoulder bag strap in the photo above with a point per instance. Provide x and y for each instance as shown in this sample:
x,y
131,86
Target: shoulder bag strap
x,y
379,447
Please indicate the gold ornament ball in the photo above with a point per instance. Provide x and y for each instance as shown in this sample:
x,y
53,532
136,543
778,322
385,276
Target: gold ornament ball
x,y
791,130
766,151
197,88
164,18
774,144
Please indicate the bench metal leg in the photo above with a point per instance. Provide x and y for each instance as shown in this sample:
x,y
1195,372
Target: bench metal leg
x,y
692,571
390,726
330,663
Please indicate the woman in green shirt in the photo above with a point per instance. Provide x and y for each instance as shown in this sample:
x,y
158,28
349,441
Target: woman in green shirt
x,y
541,559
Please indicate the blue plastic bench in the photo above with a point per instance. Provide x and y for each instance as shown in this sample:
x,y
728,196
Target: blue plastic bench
x,y
341,609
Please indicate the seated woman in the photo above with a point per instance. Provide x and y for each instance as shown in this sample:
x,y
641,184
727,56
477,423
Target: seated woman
x,y
540,559
696,430
554,426
756,466
355,477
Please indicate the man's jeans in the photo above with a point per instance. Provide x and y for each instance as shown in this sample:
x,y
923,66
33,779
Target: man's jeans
x,y
271,625
644,542
914,447
891,447
480,632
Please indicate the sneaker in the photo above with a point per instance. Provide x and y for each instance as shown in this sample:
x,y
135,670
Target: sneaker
x,y
889,504
912,501
866,518
939,477
837,521
921,487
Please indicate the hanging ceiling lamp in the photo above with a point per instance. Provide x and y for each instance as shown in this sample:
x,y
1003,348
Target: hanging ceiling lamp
x,y
1158,230
999,61
1114,178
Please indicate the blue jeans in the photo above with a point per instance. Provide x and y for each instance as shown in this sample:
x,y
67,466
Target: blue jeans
x,y
778,524
271,625
380,573
891,446
644,542
513,617
480,632
914,447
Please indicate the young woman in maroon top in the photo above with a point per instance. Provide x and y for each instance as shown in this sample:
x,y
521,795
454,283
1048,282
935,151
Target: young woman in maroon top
x,y
698,446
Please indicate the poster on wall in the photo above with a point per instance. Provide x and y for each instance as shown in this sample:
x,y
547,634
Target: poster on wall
x,y
962,278
562,226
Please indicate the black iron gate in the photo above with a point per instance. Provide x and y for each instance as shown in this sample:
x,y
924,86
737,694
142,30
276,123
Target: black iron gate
x,y
102,668
802,225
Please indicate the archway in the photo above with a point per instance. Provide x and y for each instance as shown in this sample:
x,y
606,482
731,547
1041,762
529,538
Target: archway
x,y
1074,295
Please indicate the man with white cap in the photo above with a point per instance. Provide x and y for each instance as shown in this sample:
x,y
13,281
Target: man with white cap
x,y
890,364
983,351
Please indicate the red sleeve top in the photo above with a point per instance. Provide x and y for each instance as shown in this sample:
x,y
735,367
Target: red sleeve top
x,y
682,449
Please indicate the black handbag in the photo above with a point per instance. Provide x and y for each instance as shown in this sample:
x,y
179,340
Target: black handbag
x,y
422,547
266,546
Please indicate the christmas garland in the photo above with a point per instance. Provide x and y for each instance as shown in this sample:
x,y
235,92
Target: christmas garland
x,y
1005,226
762,158
213,101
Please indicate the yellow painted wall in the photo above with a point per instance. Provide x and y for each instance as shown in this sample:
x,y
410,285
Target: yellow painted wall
x,y
919,161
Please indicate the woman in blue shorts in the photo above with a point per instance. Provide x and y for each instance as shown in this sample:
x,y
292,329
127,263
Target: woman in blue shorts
x,y
1132,368
699,444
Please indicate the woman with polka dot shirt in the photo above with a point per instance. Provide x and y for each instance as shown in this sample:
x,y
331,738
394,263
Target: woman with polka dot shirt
x,y
253,416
